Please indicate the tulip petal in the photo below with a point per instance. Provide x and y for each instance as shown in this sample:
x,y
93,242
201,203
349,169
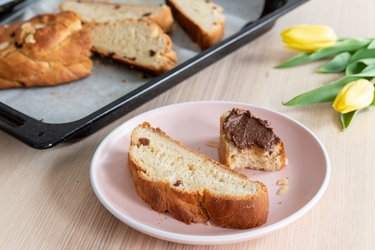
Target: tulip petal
x,y
307,34
353,96
309,38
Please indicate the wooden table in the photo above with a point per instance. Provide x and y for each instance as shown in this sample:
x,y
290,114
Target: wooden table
x,y
47,201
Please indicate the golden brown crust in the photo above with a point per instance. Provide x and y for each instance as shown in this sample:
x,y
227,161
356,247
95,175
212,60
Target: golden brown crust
x,y
238,213
197,207
46,50
164,19
169,55
163,198
236,159
197,33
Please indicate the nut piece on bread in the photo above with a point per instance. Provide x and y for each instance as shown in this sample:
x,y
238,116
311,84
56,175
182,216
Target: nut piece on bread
x,y
96,12
202,20
46,50
139,43
172,178
247,141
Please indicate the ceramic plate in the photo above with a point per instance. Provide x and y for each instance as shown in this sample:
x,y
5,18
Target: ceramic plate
x,y
194,124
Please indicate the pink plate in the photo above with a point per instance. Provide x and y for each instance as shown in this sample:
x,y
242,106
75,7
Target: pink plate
x,y
194,124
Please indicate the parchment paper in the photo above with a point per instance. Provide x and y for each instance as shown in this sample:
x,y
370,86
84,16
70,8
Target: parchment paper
x,y
110,80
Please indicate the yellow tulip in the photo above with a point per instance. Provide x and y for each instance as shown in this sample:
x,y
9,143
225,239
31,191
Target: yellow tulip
x,y
355,95
309,38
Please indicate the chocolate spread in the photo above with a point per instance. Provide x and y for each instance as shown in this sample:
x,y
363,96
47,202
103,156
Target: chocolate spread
x,y
245,130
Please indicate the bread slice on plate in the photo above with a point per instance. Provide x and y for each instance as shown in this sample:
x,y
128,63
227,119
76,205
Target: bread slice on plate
x,y
139,43
100,12
172,178
248,141
202,20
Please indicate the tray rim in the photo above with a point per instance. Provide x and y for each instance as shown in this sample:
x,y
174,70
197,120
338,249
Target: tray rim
x,y
42,135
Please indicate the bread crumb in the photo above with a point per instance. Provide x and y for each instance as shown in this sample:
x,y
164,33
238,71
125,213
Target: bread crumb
x,y
282,181
208,224
212,144
4,45
282,190
30,39
39,26
25,25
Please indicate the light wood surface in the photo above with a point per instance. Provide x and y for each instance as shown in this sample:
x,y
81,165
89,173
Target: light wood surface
x,y
46,201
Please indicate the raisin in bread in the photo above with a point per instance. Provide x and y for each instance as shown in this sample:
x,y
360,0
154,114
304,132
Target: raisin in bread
x,y
202,20
46,50
247,141
172,178
99,12
139,43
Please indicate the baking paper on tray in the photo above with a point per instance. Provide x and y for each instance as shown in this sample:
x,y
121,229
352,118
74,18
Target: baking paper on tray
x,y
109,80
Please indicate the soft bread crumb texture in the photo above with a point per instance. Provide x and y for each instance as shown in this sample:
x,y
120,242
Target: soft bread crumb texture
x,y
205,13
202,20
162,160
99,12
137,42
172,178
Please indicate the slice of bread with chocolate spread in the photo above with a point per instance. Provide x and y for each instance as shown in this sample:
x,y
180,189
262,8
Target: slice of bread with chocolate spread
x,y
248,141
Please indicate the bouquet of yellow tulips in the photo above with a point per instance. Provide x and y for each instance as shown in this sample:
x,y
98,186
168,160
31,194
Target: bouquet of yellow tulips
x,y
354,57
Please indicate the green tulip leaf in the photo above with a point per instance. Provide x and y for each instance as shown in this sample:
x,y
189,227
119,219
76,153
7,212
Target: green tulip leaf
x,y
328,93
323,94
373,101
371,45
348,45
347,118
337,64
359,66
298,59
362,54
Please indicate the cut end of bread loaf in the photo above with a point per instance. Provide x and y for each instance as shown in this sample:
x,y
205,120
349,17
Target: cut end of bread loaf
x,y
139,43
253,157
173,178
99,12
202,20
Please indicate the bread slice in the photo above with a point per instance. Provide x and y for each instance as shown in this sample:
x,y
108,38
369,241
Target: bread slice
x,y
139,43
202,20
99,12
172,178
247,141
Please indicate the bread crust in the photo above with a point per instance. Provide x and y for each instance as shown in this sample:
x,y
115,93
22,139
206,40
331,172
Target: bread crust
x,y
46,50
169,55
196,32
236,158
164,18
240,212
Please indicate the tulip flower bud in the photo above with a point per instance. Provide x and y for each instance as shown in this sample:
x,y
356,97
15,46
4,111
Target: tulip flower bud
x,y
309,38
355,95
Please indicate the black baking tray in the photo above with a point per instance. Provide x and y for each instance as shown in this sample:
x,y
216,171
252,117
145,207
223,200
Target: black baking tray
x,y
43,135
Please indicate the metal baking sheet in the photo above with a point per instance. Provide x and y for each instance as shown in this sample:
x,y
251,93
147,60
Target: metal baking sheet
x,y
109,80
74,107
